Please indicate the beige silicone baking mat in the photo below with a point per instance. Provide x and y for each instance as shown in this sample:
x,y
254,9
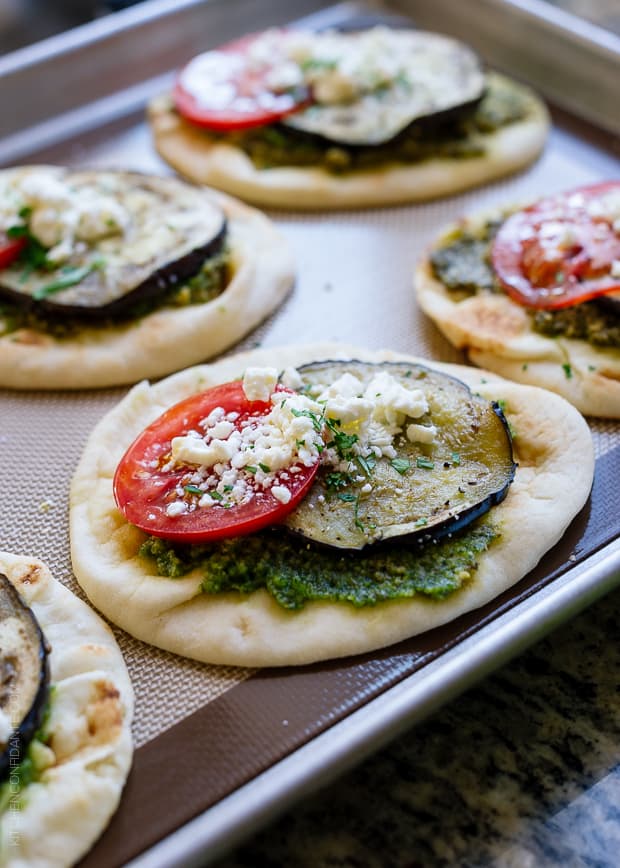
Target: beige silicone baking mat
x,y
353,285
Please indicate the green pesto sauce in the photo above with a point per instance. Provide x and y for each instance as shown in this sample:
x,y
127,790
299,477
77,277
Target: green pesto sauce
x,y
279,145
27,771
295,572
463,265
206,285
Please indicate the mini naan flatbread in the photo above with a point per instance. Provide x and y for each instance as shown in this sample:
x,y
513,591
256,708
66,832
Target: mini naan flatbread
x,y
555,467
496,333
170,337
207,159
55,819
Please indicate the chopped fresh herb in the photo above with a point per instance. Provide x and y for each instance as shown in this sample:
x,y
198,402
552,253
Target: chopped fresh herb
x,y
424,463
71,277
401,465
317,421
215,495
336,480
228,488
251,469
524,366
421,522
300,443
348,498
456,458
17,232
315,63
568,371
264,468
34,254
366,464
342,443
193,489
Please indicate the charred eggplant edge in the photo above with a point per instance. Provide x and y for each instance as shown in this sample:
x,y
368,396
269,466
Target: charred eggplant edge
x,y
150,290
22,735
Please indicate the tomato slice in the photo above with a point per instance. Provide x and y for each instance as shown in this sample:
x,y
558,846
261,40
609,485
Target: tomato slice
x,y
228,89
10,248
563,250
146,482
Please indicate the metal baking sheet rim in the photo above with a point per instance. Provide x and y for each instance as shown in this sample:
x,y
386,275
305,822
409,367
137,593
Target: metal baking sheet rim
x,y
573,63
364,731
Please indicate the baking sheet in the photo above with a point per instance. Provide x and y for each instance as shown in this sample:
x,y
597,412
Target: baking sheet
x,y
205,734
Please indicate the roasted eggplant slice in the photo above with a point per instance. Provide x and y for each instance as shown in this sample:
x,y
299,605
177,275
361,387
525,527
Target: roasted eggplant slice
x,y
24,676
161,231
426,490
438,77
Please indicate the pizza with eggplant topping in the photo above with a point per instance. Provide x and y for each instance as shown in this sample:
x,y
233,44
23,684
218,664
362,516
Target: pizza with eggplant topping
x,y
302,503
304,120
107,277
533,293
66,705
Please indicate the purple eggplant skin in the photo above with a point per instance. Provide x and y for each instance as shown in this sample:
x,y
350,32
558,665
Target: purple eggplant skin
x,y
147,292
16,748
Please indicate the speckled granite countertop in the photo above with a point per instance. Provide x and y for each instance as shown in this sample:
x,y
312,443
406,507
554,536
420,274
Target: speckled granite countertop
x,y
521,771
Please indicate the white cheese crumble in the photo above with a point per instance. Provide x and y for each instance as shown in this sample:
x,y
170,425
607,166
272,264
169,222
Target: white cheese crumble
x,y
421,433
61,217
230,461
259,383
606,207
281,493
339,68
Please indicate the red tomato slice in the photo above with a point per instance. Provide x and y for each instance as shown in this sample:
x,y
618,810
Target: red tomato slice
x,y
558,253
225,89
144,487
10,248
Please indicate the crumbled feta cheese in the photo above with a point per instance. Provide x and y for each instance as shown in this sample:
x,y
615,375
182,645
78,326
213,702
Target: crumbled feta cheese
x,y
259,383
177,507
190,450
61,216
222,429
281,493
615,269
421,433
393,402
606,206
291,378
